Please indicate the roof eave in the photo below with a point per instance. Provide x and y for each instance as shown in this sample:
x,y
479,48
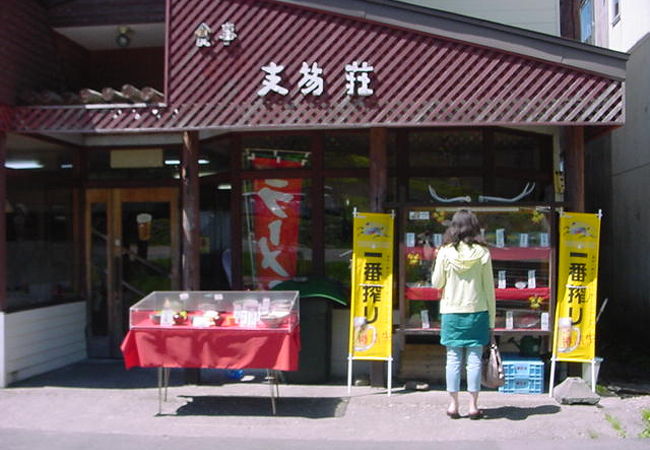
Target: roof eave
x,y
539,46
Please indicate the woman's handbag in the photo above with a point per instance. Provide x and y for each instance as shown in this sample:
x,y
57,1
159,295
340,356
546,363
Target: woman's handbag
x,y
492,375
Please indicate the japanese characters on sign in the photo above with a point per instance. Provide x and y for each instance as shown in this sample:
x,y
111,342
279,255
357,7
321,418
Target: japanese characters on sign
x,y
311,82
372,287
575,318
277,216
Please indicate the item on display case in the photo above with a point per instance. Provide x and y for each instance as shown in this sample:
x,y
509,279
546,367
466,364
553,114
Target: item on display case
x,y
424,314
180,318
501,281
523,239
532,282
239,309
500,234
543,240
510,320
544,324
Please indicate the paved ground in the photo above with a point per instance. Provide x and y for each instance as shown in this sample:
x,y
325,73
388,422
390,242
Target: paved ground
x,y
100,405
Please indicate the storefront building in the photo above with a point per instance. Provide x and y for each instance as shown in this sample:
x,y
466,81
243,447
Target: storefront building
x,y
270,122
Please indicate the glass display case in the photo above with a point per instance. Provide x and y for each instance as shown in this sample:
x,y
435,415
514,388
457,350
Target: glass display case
x,y
521,248
278,310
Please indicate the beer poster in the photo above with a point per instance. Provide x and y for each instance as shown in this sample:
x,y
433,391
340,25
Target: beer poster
x,y
575,316
371,310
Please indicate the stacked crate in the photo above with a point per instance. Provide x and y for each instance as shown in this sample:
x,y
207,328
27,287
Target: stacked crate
x,y
523,375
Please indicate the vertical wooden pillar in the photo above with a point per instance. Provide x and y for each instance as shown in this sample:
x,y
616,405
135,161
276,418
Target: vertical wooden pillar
x,y
378,181
190,262
236,200
3,223
573,146
190,244
318,205
378,163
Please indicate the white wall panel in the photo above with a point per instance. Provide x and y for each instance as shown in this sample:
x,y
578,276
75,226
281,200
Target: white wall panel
x,y
43,339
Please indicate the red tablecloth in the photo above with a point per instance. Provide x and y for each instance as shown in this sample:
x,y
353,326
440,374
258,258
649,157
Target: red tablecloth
x,y
224,348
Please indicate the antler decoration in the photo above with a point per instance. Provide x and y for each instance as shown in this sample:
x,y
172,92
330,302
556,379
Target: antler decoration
x,y
528,189
435,196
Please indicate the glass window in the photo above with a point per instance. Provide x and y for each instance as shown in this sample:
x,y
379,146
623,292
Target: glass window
x,y
40,250
587,21
517,151
446,148
39,160
342,195
276,231
423,189
216,256
346,151
214,157
616,11
276,151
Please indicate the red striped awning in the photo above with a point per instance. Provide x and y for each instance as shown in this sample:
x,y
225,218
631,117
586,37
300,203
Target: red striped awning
x,y
418,79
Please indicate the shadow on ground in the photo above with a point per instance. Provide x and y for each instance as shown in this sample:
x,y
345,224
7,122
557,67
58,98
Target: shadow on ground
x,y
111,374
519,413
307,407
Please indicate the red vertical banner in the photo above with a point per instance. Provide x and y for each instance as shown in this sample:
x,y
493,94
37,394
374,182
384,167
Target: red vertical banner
x,y
276,209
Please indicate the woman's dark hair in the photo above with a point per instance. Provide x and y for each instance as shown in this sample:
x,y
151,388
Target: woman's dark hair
x,y
464,227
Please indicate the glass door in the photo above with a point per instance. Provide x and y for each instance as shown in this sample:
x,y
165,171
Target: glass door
x,y
132,248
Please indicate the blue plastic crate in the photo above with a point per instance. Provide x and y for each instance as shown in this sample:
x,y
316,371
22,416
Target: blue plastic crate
x,y
523,375
522,386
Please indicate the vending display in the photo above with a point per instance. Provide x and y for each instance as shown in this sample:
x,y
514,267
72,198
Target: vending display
x,y
521,249
217,309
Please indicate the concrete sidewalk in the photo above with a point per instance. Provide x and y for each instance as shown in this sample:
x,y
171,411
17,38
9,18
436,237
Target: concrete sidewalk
x,y
100,403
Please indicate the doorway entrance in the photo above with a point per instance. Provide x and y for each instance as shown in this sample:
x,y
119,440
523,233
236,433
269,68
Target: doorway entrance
x,y
132,248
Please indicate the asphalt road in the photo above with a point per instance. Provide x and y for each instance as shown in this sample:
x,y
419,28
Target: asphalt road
x,y
99,405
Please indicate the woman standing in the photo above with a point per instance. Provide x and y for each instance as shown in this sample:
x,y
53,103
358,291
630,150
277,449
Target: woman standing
x,y
463,270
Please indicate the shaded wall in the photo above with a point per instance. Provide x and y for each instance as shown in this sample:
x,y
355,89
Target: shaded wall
x,y
630,175
27,53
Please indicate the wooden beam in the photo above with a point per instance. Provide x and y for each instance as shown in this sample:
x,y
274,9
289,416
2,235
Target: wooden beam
x,y
378,180
378,164
574,166
318,203
191,245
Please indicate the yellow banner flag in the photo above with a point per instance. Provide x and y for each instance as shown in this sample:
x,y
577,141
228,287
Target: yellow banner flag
x,y
575,317
371,308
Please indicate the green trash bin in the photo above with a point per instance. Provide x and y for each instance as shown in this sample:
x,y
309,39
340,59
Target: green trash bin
x,y
316,297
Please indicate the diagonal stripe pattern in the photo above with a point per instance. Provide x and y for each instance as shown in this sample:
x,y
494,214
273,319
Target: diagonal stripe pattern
x,y
418,80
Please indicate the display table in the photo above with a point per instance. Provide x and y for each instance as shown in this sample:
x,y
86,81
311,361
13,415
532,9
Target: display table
x,y
224,348
214,347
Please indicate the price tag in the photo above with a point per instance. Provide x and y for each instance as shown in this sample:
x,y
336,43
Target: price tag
x,y
523,239
501,280
500,237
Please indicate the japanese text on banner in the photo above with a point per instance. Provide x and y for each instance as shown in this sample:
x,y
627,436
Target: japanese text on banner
x,y
575,318
371,311
277,218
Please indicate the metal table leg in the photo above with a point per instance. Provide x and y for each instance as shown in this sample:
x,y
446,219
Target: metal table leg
x,y
163,383
273,377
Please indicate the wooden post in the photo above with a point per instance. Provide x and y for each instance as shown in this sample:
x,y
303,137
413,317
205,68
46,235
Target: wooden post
x,y
574,166
318,203
378,180
3,224
190,245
